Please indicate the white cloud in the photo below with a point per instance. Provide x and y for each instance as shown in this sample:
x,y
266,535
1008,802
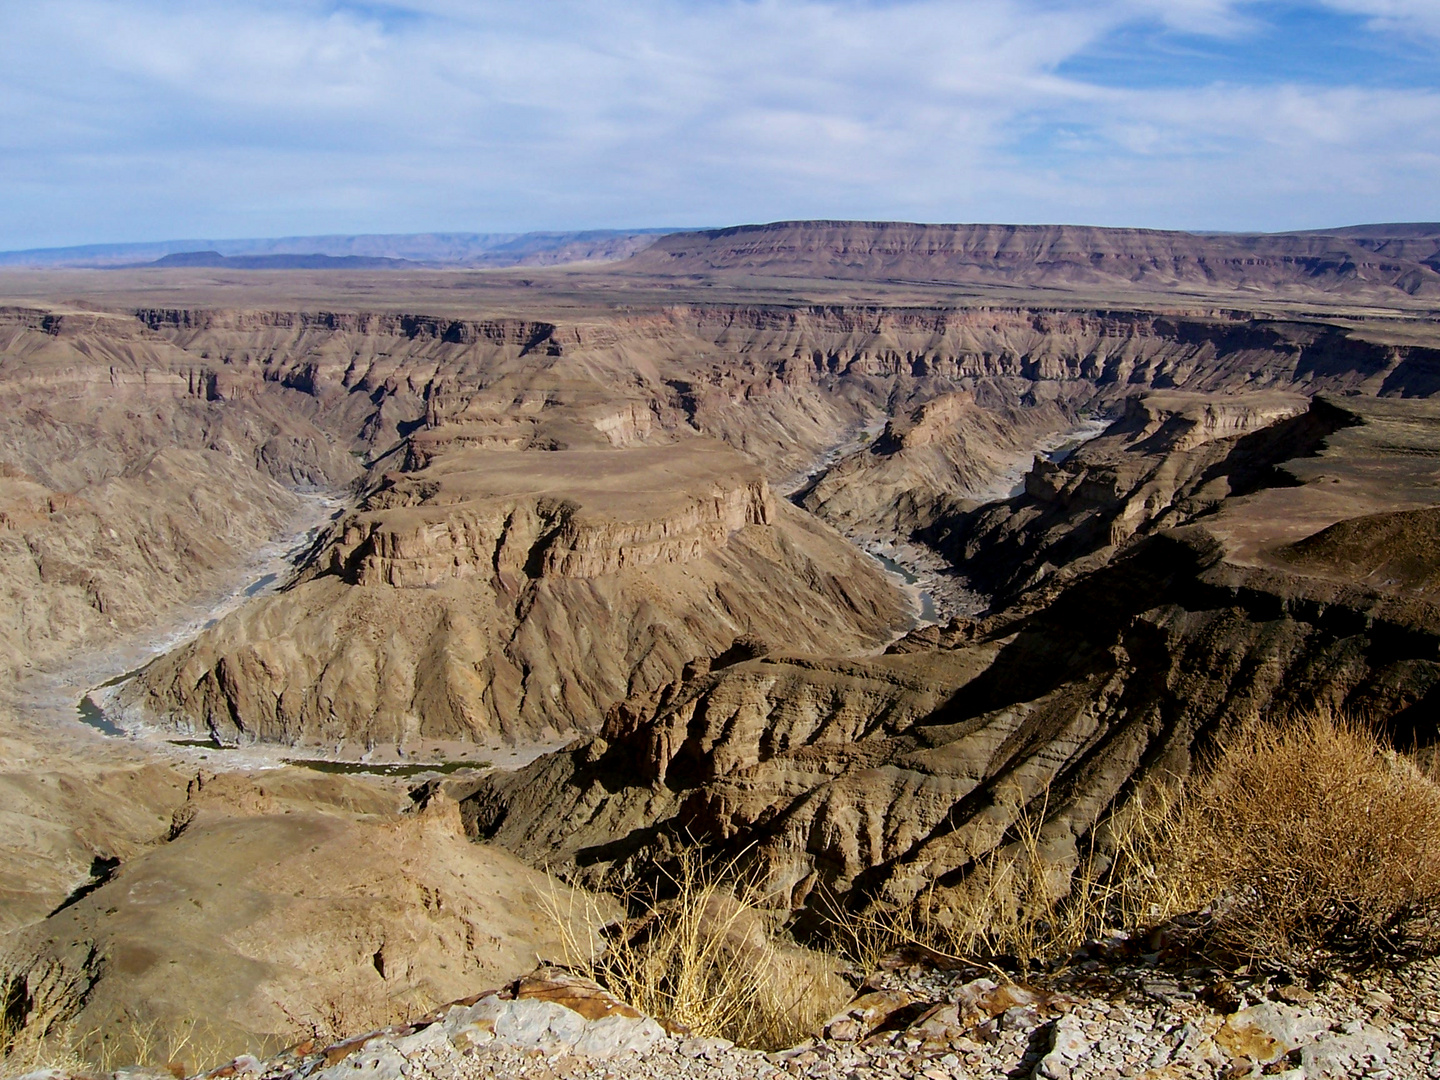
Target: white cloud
x,y
1395,16
155,118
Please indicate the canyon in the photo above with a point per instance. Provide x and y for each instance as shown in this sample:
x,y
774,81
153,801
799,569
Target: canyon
x,y
584,550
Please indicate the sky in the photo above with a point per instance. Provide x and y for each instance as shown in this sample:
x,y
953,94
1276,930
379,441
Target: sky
x,y
159,119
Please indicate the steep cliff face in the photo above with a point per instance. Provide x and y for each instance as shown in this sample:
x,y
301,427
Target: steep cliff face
x,y
949,450
518,515
779,383
132,479
1172,457
1124,351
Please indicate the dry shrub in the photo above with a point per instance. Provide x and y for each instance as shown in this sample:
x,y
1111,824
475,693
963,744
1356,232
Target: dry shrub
x,y
186,1047
22,1051
709,957
1312,836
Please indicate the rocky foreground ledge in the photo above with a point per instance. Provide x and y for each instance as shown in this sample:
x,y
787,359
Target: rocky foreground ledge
x,y
912,1020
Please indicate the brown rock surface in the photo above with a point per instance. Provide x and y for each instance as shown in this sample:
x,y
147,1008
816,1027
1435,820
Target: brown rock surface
x,y
281,906
1394,551
67,810
563,520
777,384
128,483
950,449
562,512
1171,457
495,594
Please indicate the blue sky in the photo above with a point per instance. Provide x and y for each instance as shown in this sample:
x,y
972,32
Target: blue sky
x,y
154,119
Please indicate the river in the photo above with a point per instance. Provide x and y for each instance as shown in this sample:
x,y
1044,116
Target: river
x,y
937,589
83,687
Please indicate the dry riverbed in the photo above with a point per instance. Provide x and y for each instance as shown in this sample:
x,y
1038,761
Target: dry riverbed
x,y
77,700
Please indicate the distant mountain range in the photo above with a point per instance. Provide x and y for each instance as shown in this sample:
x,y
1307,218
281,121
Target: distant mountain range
x,y
400,251
1365,259
282,262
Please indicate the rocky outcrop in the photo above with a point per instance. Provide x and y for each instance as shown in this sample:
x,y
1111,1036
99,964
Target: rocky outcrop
x,y
948,451
420,539
879,779
912,1015
496,595
1170,459
287,394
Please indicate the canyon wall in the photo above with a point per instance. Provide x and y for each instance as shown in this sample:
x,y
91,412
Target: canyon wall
x,y
610,518
520,596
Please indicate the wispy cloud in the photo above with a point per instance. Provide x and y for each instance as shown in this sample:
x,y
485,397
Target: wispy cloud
x,y
154,118
1395,16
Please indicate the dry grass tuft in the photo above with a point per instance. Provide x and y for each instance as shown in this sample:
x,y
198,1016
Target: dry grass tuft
x,y
1018,905
1015,905
21,1052
709,957
185,1048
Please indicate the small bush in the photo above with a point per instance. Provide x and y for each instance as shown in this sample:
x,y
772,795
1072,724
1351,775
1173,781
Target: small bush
x,y
708,957
1312,836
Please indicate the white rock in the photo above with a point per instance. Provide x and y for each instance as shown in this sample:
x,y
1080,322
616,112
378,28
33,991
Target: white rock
x,y
533,1024
1345,1053
1289,1026
487,1008
426,1038
613,1035
378,1060
1068,1044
